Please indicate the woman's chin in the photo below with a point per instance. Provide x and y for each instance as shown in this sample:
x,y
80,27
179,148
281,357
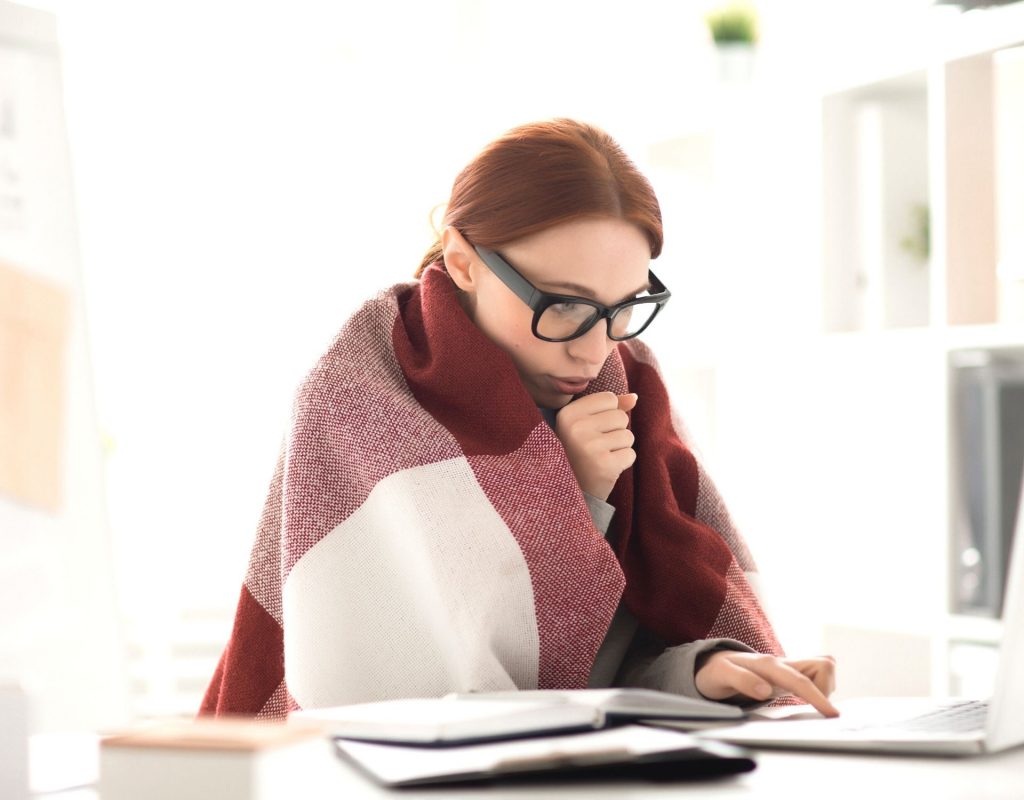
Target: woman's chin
x,y
549,399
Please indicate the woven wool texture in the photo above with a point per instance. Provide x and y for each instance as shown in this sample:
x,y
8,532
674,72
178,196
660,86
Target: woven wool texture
x,y
424,532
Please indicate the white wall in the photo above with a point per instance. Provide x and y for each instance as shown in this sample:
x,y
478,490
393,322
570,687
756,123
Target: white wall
x,y
246,180
59,636
246,174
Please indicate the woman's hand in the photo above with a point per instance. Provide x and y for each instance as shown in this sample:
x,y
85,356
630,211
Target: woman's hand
x,y
727,673
599,445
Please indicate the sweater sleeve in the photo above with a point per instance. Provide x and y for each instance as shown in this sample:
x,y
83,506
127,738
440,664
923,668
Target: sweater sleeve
x,y
600,512
630,657
671,669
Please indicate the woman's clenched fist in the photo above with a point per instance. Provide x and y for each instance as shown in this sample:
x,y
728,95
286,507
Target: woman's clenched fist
x,y
599,445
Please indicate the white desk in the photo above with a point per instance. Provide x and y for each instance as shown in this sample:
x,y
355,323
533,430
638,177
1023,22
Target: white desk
x,y
779,774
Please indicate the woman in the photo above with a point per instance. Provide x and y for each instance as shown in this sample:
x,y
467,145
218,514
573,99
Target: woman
x,y
484,488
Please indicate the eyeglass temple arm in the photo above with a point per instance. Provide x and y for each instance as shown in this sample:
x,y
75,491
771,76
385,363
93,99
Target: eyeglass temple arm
x,y
522,288
657,287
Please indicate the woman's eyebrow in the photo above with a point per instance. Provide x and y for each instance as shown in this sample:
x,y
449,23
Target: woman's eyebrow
x,y
583,291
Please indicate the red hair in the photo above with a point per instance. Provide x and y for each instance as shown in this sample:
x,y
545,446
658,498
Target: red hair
x,y
542,174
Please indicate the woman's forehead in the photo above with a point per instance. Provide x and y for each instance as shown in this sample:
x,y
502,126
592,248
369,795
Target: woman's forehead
x,y
605,259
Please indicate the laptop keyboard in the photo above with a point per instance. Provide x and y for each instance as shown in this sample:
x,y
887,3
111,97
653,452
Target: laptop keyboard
x,y
958,718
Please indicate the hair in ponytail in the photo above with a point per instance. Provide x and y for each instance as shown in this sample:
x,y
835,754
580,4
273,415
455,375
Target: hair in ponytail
x,y
542,174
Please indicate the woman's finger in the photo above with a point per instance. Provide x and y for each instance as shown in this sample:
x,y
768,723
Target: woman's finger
x,y
783,676
736,678
821,670
612,420
618,440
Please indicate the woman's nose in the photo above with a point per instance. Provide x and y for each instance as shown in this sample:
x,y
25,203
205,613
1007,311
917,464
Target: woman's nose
x,y
593,346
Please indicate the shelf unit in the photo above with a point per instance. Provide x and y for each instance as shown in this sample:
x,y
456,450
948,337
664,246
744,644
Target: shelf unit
x,y
923,230
817,376
935,146
876,176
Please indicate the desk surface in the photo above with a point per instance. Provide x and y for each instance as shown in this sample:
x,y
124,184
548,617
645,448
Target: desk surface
x,y
779,774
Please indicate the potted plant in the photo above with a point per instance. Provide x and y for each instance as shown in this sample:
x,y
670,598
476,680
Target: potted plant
x,y
733,27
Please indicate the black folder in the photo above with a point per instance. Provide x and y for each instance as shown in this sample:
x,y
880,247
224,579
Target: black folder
x,y
631,752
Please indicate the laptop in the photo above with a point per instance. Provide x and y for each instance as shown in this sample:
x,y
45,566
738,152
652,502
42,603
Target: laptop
x,y
914,725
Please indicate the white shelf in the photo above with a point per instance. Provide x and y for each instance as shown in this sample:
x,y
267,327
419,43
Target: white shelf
x,y
876,189
926,142
936,126
945,36
836,451
979,630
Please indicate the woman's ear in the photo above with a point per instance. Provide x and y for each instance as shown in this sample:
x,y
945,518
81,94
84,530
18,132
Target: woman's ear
x,y
459,258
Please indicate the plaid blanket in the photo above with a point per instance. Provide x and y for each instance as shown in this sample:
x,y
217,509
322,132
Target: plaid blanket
x,y
424,532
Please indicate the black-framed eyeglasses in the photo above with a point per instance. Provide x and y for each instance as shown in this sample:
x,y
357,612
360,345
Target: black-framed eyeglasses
x,y
561,317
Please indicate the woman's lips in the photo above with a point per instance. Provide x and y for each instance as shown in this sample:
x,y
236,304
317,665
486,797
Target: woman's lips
x,y
572,385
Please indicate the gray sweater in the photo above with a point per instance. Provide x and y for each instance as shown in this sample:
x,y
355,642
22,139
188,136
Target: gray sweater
x,y
631,655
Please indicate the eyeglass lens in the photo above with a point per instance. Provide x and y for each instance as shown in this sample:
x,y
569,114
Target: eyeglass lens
x,y
565,320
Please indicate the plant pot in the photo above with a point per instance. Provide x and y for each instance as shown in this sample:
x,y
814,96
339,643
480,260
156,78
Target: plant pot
x,y
735,61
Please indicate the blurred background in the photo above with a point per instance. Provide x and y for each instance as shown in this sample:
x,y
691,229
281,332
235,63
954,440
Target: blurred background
x,y
196,195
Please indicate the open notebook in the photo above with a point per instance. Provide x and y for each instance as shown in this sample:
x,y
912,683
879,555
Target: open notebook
x,y
487,716
515,735
918,725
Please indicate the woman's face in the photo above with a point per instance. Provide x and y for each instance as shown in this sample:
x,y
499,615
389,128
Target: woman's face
x,y
602,259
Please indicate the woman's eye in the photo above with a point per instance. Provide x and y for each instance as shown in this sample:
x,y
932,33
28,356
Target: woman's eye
x,y
566,308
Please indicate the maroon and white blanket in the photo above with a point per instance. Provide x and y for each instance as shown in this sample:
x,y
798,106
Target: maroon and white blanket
x,y
424,532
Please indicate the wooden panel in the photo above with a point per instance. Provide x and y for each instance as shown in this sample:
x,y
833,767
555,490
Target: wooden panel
x,y
970,193
33,336
1008,80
